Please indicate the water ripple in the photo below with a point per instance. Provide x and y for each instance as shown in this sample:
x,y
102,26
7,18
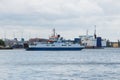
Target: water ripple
x,y
68,63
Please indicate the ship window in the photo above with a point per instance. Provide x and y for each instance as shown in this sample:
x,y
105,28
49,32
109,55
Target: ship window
x,y
48,45
63,45
53,45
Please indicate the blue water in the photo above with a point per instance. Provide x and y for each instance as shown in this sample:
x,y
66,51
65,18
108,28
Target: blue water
x,y
88,64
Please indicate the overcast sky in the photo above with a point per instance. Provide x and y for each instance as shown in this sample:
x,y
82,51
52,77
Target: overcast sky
x,y
70,18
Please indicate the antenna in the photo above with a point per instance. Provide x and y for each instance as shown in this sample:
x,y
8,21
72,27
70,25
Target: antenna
x,y
21,34
87,32
29,35
95,36
4,35
14,35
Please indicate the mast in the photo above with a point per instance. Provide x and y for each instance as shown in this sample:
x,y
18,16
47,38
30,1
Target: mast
x,y
54,32
95,36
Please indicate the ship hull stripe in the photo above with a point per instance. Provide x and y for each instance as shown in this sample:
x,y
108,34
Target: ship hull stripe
x,y
54,49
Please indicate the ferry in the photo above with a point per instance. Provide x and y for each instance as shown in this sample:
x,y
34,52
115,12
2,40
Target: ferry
x,y
55,43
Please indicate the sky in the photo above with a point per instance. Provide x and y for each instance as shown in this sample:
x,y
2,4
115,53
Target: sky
x,y
70,18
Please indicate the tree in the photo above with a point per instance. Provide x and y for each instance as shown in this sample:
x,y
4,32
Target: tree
x,y
118,43
2,43
108,43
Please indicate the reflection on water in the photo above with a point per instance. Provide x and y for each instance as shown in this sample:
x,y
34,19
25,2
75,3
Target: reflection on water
x,y
88,64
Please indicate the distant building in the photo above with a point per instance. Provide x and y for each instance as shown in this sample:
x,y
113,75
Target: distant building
x,y
14,43
115,44
8,42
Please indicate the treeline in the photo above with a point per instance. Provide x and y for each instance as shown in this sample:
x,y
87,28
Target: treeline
x,y
2,43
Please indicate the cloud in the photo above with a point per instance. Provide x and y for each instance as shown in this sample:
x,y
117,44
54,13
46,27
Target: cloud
x,y
64,15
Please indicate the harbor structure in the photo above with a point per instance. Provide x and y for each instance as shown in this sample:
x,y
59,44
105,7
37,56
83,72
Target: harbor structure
x,y
92,41
14,43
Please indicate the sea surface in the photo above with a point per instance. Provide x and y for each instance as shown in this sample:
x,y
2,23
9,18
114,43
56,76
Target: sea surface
x,y
88,64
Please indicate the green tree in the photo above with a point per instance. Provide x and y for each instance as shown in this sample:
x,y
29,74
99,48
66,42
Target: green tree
x,y
118,43
108,43
2,43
